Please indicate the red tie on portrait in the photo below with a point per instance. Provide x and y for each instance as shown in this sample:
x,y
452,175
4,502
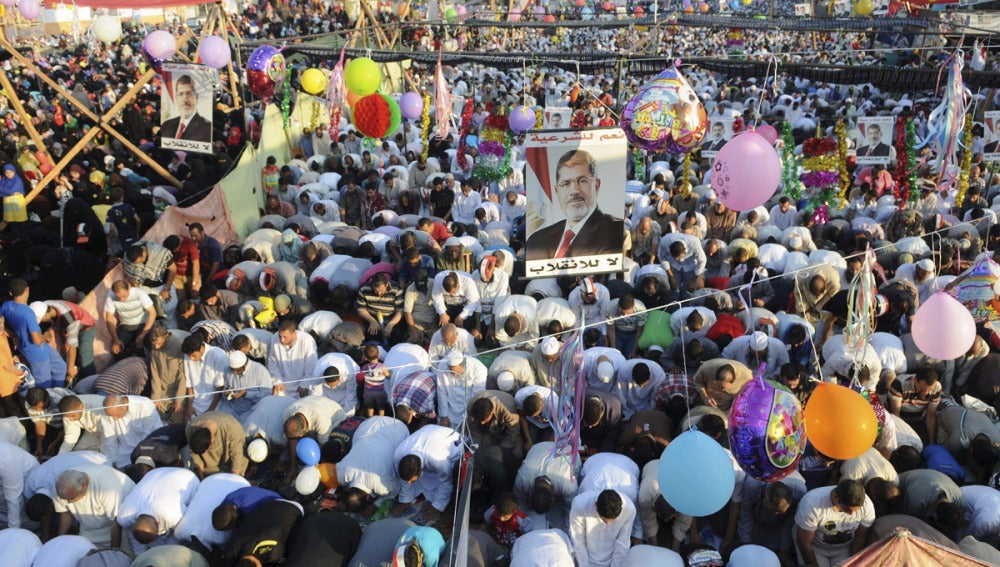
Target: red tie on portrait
x,y
180,130
564,247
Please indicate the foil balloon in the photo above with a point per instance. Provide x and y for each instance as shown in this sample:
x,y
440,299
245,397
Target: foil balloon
x,y
667,114
265,70
767,434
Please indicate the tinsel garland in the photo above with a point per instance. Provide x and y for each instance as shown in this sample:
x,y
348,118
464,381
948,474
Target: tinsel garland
x,y
818,146
539,119
686,173
738,125
901,191
640,173
845,178
286,102
966,168
823,178
463,132
819,179
315,115
425,127
819,163
495,139
911,156
789,165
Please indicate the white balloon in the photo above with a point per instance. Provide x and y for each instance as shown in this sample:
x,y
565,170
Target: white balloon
x,y
107,28
257,450
308,481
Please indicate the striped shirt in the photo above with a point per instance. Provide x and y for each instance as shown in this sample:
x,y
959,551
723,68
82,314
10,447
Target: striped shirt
x,y
386,304
220,333
417,392
125,377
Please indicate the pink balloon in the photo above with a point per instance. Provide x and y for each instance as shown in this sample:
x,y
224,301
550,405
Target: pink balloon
x,y
515,15
29,9
460,9
943,328
160,45
8,3
746,172
768,133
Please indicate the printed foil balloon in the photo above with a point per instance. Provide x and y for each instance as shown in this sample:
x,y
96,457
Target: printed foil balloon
x,y
666,113
980,291
265,70
767,434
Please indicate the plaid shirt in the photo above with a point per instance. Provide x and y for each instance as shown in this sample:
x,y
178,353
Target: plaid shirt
x,y
675,385
387,304
417,392
153,271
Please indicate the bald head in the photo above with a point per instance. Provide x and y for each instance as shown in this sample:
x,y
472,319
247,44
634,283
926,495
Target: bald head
x,y
116,406
295,426
449,333
146,529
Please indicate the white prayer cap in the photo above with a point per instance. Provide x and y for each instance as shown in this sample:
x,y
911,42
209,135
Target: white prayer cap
x,y
456,359
758,340
550,346
38,308
605,371
926,265
237,359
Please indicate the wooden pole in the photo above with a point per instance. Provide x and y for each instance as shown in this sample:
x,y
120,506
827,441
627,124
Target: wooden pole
x,y
90,114
112,112
234,84
72,153
22,113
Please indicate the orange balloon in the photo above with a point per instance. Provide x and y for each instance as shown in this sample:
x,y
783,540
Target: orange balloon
x,y
328,475
703,7
840,423
352,99
688,9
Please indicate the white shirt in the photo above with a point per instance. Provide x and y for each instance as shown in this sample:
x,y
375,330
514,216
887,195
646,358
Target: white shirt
x,y
491,292
816,513
591,360
255,380
98,508
455,391
464,208
543,548
63,551
93,409
120,436
163,494
206,376
439,449
524,306
516,362
322,415
869,465
556,309
540,462
783,220
267,420
345,393
596,543
42,479
15,466
439,350
610,471
510,212
132,311
649,491
982,510
467,292
647,555
546,394
591,312
369,464
197,520
293,364
19,547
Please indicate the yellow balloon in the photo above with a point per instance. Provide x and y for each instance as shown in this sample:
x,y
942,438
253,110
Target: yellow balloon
x,y
864,7
313,81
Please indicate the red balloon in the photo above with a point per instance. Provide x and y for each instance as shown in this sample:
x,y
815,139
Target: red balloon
x,y
260,83
549,19
639,11
581,3
608,6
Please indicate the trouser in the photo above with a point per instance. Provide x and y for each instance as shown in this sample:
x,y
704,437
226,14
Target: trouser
x,y
454,311
127,334
13,406
826,556
48,368
85,352
625,341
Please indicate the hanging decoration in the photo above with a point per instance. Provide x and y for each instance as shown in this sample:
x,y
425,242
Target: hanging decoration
x,y
901,191
539,119
822,177
493,163
767,433
566,401
686,172
911,157
578,120
790,165
966,167
442,102
286,101
265,70
372,116
637,164
314,119
425,127
861,299
845,177
945,123
463,133
336,92
665,114
362,76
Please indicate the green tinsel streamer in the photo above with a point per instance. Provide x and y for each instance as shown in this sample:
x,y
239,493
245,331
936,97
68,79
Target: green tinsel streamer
x,y
911,154
640,172
790,166
286,102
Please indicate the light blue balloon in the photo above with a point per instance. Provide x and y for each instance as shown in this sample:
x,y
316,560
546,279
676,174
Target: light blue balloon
x,y
696,475
308,451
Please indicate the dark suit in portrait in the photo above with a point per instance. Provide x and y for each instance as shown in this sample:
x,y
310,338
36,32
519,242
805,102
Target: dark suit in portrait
x,y
198,129
878,150
601,234
713,146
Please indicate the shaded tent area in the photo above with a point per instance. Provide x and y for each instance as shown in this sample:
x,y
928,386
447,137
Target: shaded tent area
x,y
905,549
229,212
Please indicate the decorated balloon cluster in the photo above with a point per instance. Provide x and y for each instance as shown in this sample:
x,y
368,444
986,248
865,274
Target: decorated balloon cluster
x,y
160,45
29,9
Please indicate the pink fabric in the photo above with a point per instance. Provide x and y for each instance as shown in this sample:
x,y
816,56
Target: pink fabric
x,y
903,548
381,268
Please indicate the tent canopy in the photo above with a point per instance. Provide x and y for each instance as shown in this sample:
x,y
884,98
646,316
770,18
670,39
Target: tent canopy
x,y
903,548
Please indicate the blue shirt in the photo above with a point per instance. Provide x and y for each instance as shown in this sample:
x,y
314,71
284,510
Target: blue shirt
x,y
22,320
429,540
210,252
940,459
248,499
408,272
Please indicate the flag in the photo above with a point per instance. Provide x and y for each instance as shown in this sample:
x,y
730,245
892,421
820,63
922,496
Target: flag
x,y
442,100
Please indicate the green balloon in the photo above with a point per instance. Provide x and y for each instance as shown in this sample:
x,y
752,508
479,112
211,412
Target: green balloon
x,y
395,115
451,15
362,76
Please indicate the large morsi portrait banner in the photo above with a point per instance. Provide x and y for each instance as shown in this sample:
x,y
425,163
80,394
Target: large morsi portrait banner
x,y
186,102
575,187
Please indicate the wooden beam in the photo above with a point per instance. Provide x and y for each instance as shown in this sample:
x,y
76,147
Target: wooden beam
x,y
94,117
59,167
23,114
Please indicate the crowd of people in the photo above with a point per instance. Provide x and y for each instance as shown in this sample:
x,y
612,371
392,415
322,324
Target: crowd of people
x,y
312,394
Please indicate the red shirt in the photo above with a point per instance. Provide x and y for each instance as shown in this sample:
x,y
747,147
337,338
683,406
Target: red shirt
x,y
440,232
185,255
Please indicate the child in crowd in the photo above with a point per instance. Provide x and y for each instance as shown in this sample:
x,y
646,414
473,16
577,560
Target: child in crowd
x,y
375,373
507,520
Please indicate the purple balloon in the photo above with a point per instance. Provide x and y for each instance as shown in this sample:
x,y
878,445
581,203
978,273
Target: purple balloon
x,y
8,3
411,105
214,52
522,119
29,9
768,133
767,432
160,45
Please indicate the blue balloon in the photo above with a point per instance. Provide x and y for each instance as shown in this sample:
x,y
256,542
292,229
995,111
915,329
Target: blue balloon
x,y
308,451
696,475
